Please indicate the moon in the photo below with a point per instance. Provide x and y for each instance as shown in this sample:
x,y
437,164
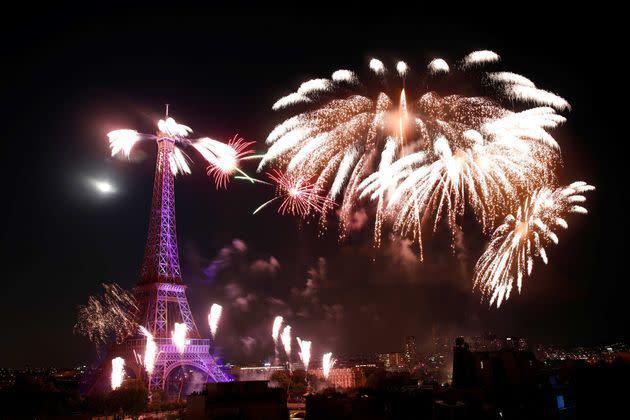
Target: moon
x,y
103,187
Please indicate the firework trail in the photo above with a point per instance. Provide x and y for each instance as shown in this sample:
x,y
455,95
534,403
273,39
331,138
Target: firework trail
x,y
299,197
178,336
328,362
118,372
305,352
214,317
223,159
275,329
150,351
523,236
107,318
465,151
285,337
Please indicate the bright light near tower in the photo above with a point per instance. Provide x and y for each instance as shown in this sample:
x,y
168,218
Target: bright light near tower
x,y
103,187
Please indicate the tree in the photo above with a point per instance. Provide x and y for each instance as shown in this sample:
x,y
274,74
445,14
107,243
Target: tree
x,y
131,398
282,378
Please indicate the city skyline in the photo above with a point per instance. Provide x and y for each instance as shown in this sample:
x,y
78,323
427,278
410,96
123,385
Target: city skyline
x,y
258,266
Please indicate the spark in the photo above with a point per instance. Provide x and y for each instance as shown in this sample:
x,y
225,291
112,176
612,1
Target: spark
x,y
421,157
438,65
402,68
223,158
214,317
290,99
275,329
178,163
480,57
299,197
123,141
150,351
344,76
107,318
118,372
523,236
305,352
285,337
377,66
171,128
178,336
328,362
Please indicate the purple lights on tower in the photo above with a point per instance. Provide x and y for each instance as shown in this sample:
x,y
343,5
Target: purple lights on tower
x,y
160,292
161,257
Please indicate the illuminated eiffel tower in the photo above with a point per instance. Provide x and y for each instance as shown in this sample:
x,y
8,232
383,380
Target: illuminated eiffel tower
x,y
161,293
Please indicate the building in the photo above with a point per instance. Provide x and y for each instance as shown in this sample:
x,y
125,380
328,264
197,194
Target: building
x,y
395,360
238,400
342,378
411,351
255,373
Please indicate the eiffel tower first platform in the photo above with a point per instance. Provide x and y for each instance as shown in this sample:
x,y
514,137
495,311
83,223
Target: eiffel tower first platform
x,y
161,293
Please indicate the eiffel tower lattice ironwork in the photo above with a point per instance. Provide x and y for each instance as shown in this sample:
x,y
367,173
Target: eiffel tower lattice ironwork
x,y
161,293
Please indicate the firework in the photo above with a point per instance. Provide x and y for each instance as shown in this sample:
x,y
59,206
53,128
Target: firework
x,y
328,362
438,65
305,352
178,336
118,372
465,151
109,317
214,317
480,57
299,197
150,351
523,236
223,159
285,337
275,329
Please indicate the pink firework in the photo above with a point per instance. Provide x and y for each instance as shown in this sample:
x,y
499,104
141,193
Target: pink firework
x,y
299,196
227,160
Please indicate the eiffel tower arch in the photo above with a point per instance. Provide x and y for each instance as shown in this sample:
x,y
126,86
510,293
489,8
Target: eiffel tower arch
x,y
161,294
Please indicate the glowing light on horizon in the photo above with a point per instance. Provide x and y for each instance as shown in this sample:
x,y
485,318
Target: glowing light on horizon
x,y
214,317
118,372
275,329
178,336
328,362
305,352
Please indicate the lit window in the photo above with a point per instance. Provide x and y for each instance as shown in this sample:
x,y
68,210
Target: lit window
x,y
560,400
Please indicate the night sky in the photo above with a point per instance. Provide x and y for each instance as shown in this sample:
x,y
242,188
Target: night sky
x,y
69,80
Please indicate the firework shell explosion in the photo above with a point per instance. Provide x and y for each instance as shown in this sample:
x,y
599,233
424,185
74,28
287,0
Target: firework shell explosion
x,y
223,158
422,155
107,318
524,236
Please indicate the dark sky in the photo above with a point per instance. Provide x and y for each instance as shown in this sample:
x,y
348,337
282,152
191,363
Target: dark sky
x,y
69,79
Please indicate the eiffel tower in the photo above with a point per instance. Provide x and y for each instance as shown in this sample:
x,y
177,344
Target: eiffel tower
x,y
161,294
